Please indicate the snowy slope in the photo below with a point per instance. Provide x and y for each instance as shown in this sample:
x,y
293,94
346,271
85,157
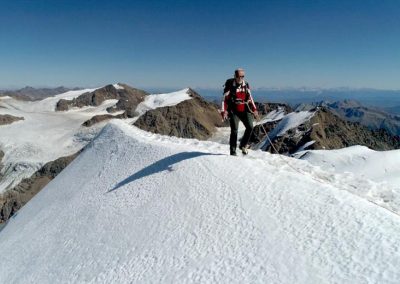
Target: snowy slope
x,y
45,135
162,100
273,116
380,166
136,207
360,162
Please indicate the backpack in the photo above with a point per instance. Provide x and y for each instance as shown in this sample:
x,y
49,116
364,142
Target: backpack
x,y
230,85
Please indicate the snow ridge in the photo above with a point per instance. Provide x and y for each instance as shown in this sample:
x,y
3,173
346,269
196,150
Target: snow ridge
x,y
140,207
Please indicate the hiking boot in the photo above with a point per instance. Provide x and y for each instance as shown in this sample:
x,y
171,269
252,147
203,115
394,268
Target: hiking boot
x,y
244,150
233,153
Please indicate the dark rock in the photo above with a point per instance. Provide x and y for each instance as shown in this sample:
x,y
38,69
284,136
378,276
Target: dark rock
x,y
8,119
264,108
329,131
99,118
13,199
128,99
62,105
350,110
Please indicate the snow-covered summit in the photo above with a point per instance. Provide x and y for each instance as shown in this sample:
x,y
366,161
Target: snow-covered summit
x,y
162,100
139,207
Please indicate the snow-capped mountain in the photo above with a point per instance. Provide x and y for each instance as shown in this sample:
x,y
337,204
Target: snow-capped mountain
x,y
42,136
140,207
316,128
371,117
193,117
48,139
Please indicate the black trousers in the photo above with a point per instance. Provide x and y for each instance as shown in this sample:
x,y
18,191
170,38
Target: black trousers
x,y
247,119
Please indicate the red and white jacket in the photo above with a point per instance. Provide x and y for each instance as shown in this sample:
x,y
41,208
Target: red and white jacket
x,y
237,97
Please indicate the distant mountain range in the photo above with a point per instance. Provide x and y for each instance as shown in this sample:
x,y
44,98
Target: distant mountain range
x,y
317,128
393,110
389,100
353,111
34,94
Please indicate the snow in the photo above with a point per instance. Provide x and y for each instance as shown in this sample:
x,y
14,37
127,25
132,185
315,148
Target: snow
x,y
136,207
292,120
49,104
287,122
44,135
162,100
222,134
363,165
118,87
306,145
378,166
273,116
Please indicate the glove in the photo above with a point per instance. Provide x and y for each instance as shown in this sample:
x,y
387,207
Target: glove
x,y
255,114
224,115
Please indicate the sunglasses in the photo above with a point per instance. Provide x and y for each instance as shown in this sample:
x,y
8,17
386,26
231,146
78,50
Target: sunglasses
x,y
241,77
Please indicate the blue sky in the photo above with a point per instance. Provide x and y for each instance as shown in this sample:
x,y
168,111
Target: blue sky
x,y
174,44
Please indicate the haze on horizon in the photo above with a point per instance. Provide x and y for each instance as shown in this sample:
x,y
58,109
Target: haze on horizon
x,y
175,44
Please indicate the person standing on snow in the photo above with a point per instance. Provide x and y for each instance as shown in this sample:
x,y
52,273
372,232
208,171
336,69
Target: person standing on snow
x,y
238,104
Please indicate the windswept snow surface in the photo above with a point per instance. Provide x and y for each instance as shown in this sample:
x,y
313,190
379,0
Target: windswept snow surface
x,y
162,100
360,162
136,207
379,166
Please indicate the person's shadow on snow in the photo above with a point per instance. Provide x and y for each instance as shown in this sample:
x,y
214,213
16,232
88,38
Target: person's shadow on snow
x,y
159,166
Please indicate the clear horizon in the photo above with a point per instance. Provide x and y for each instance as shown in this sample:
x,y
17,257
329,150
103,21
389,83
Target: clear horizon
x,y
176,44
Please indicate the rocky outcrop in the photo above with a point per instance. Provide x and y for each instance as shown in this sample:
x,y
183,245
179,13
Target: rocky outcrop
x,y
1,165
193,118
128,99
264,108
8,119
102,117
325,130
13,199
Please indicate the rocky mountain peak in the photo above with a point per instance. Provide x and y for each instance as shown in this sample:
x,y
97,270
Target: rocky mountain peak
x,y
323,130
128,99
193,118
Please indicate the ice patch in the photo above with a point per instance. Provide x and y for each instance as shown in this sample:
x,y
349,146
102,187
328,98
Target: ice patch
x,y
118,87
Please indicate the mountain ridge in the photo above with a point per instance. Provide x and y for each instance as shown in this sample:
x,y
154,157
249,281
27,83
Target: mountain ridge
x,y
148,208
